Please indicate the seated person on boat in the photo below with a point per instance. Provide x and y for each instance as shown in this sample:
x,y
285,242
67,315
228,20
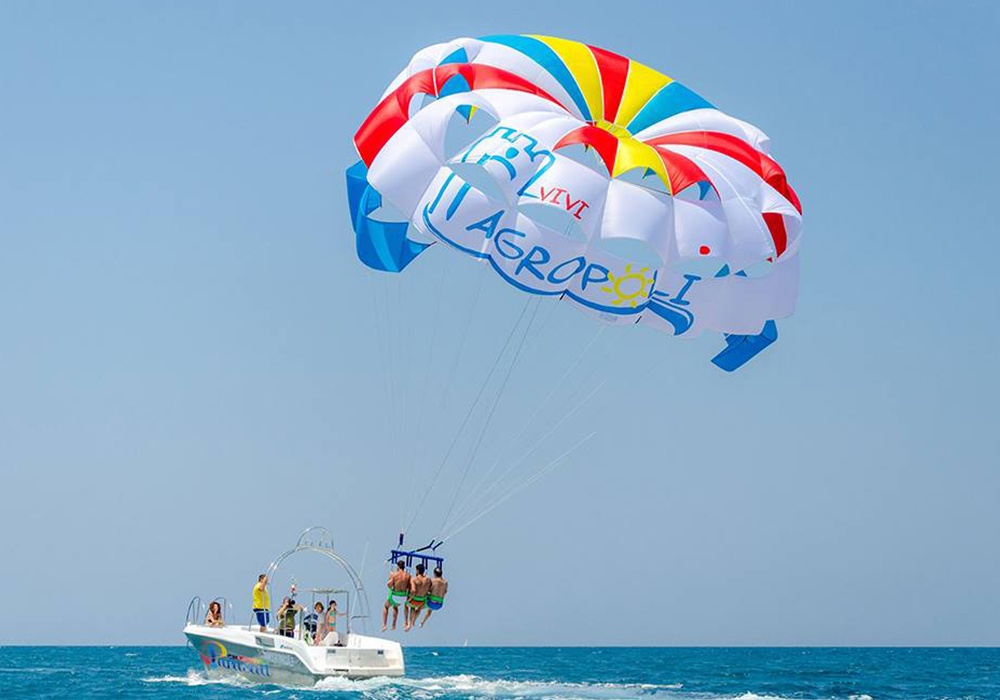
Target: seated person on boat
x,y
315,623
214,616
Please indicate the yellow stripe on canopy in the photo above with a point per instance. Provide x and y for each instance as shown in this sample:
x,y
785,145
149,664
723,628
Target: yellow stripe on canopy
x,y
580,62
643,82
633,154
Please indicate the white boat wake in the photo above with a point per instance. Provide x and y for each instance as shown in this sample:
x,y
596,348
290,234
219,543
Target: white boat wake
x,y
471,686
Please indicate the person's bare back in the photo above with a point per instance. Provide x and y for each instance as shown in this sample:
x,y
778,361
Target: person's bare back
x,y
420,586
439,586
400,581
435,598
399,591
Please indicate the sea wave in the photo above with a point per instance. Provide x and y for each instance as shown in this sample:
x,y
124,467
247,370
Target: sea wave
x,y
470,686
502,689
194,678
39,670
466,685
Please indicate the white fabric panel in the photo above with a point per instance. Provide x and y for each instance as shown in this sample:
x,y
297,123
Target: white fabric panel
x,y
773,201
707,120
545,127
747,182
431,57
742,304
526,249
515,62
473,207
754,136
508,103
422,60
426,198
750,185
574,189
432,121
700,223
403,169
508,156
793,230
668,284
739,188
640,213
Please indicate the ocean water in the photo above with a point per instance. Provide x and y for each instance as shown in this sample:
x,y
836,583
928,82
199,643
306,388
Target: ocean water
x,y
89,673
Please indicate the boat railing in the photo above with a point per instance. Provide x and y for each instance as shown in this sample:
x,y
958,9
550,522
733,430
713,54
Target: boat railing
x,y
193,616
197,610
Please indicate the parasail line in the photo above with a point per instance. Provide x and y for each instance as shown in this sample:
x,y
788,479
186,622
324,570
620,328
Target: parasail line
x,y
513,488
382,339
524,455
465,336
421,413
468,414
489,416
474,499
544,470
450,382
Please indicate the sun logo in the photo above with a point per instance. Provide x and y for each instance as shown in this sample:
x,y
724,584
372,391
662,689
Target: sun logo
x,y
628,287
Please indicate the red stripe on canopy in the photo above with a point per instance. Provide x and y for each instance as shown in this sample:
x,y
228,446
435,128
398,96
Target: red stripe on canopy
x,y
738,150
614,71
776,225
682,171
393,111
604,142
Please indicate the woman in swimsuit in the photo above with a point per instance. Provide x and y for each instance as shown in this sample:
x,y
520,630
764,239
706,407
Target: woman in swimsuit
x,y
214,616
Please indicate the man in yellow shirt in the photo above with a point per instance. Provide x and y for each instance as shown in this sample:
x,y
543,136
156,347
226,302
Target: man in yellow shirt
x,y
261,602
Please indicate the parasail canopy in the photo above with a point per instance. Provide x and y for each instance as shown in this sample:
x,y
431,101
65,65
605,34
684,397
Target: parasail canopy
x,y
577,172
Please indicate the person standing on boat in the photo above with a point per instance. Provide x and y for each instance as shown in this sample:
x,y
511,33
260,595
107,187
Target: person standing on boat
x,y
420,586
286,616
262,602
331,621
399,590
435,598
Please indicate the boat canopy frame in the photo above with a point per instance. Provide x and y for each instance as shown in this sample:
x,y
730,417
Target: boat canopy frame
x,y
318,540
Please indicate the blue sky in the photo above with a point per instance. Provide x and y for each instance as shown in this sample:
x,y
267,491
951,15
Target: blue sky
x,y
189,372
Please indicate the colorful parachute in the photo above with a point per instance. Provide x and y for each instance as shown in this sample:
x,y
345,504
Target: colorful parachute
x,y
577,172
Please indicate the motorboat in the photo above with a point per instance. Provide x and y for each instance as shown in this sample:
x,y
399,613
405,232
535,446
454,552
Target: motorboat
x,y
298,660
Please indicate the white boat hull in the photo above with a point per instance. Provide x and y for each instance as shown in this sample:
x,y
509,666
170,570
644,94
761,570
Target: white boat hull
x,y
271,658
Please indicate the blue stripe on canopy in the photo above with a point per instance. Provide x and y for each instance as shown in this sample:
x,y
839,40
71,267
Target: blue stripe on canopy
x,y
456,56
381,245
672,99
543,55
